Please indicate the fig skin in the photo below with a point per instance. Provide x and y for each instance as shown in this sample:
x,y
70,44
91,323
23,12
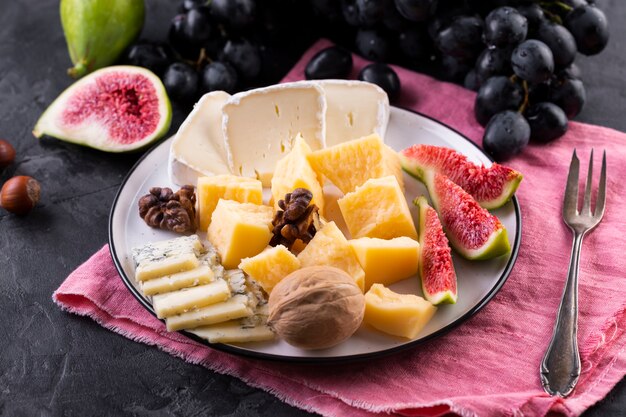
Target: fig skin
x,y
316,307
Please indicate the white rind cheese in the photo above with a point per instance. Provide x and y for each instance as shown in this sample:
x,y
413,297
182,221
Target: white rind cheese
x,y
182,301
354,109
259,126
233,308
199,276
199,148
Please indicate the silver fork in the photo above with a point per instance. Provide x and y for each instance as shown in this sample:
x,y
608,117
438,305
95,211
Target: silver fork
x,y
560,367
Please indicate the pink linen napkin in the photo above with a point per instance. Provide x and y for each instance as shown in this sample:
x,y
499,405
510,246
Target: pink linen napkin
x,y
489,365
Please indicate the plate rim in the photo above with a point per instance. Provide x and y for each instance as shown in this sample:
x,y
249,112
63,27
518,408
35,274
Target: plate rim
x,y
232,349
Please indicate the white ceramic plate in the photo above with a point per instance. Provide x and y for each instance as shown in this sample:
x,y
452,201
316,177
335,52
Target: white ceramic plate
x,y
478,281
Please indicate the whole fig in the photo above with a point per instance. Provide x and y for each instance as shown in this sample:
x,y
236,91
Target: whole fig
x,y
98,31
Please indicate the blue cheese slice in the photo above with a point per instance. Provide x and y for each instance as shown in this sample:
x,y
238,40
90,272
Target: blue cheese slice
x,y
182,301
260,125
166,266
156,251
233,308
198,276
199,148
248,329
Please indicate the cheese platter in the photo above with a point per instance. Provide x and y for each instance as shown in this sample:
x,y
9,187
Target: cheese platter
x,y
249,142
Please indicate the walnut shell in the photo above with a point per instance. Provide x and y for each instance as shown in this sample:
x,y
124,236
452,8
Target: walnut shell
x,y
316,307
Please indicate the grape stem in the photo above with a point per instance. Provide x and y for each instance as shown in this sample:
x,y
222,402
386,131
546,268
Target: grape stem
x,y
526,101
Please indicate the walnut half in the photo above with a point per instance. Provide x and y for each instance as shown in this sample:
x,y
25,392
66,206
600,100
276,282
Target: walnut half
x,y
296,219
164,209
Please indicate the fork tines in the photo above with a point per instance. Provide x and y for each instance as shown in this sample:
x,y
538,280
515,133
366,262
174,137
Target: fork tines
x,y
570,202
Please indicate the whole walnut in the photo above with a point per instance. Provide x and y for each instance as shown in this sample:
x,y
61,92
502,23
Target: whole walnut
x,y
316,307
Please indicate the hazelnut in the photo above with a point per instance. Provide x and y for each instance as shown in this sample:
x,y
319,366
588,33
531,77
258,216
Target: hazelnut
x,y
20,194
7,154
316,307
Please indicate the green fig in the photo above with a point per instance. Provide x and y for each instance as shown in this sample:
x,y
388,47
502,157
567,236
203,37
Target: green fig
x,y
98,31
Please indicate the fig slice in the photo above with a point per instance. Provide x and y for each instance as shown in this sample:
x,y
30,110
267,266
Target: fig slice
x,y
491,187
472,231
436,269
115,109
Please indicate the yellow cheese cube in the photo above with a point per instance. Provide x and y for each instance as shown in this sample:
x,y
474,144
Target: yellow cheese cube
x,y
228,187
386,261
402,315
294,171
377,209
350,164
270,266
330,247
239,230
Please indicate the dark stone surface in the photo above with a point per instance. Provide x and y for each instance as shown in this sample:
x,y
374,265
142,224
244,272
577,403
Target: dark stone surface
x,y
53,363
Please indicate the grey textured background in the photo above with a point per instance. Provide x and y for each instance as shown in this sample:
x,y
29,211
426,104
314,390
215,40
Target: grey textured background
x,y
53,363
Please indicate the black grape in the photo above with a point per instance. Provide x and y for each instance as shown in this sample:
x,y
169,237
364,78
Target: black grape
x,y
181,82
471,81
559,40
573,71
453,69
394,21
244,56
461,38
237,14
493,61
218,76
534,15
155,57
505,26
197,29
532,61
373,44
589,27
332,62
547,122
178,39
416,10
369,12
506,135
497,94
414,44
568,94
383,76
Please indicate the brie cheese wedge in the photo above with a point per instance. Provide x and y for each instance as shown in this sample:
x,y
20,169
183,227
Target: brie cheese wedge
x,y
354,109
199,148
259,126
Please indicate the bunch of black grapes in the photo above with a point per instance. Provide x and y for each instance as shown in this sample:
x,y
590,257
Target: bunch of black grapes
x,y
517,54
228,45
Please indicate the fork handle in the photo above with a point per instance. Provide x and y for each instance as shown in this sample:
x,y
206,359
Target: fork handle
x,y
560,367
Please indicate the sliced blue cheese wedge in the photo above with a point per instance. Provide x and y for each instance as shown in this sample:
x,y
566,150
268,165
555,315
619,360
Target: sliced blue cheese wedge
x,y
249,329
167,266
233,308
198,276
188,299
156,251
